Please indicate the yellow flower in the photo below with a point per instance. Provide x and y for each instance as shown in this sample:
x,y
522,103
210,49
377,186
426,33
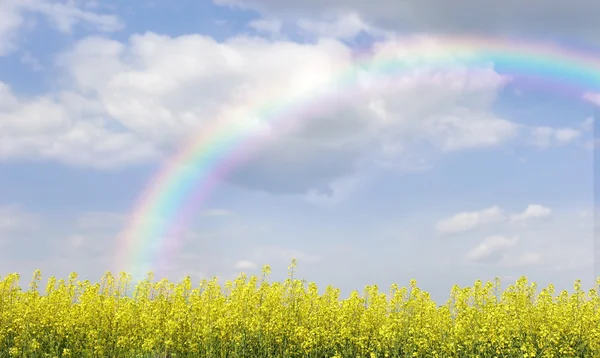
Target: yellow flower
x,y
249,315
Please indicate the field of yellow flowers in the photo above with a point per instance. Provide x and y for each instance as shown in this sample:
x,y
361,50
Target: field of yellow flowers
x,y
251,317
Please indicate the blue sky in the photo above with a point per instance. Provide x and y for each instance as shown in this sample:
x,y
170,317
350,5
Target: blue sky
x,y
445,184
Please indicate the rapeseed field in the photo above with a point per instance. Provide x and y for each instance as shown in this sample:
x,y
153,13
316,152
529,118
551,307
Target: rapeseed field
x,y
252,317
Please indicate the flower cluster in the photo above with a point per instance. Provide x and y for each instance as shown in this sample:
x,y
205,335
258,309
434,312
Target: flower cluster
x,y
251,317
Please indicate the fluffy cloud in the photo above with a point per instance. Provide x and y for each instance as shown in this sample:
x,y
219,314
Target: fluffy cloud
x,y
334,192
544,136
63,15
495,250
138,101
245,265
532,211
14,218
228,245
517,248
574,17
491,249
345,27
463,130
264,25
65,127
59,244
467,221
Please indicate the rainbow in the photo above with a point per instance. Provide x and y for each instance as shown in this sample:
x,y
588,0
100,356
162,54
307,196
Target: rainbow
x,y
153,234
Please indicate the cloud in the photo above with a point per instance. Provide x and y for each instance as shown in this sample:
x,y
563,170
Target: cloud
x,y
10,21
524,247
14,219
463,131
66,14
135,102
573,18
544,136
245,265
93,234
466,221
65,127
62,15
34,63
55,244
77,241
89,249
491,249
334,192
533,211
344,27
587,124
266,26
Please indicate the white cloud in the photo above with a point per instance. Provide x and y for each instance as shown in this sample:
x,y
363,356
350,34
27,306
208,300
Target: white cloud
x,y
34,63
344,27
533,211
541,253
587,124
464,130
245,265
77,241
525,247
466,221
10,21
135,102
334,193
266,25
66,14
65,127
14,218
576,18
491,248
63,15
544,136
565,135
54,243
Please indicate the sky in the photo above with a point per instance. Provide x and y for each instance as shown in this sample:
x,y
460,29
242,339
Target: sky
x,y
459,173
